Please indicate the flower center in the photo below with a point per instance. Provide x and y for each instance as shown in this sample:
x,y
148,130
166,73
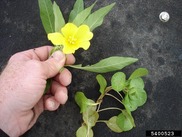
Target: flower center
x,y
71,40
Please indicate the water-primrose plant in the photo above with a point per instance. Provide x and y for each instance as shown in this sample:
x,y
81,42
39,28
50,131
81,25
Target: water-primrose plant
x,y
134,96
77,32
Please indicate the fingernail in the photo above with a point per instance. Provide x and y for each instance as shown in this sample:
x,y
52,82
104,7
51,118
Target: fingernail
x,y
58,55
52,104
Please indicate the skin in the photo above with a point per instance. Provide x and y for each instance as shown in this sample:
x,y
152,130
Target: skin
x,y
22,85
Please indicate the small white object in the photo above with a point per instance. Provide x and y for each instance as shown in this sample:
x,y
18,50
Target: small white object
x,y
164,16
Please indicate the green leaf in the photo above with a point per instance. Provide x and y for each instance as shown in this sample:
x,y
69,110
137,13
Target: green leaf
x,y
139,96
59,19
136,83
80,18
102,82
84,131
118,81
127,113
82,101
139,73
107,65
111,123
129,104
78,7
47,15
96,18
90,116
125,121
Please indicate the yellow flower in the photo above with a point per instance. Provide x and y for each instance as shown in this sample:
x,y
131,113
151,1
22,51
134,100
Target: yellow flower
x,y
72,37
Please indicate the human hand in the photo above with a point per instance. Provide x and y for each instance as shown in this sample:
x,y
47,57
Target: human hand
x,y
22,84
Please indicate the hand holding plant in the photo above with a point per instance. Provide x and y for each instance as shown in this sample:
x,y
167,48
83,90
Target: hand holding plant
x,y
77,33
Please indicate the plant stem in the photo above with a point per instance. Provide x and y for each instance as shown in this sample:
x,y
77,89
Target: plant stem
x,y
99,100
114,97
93,104
110,108
119,95
101,121
98,107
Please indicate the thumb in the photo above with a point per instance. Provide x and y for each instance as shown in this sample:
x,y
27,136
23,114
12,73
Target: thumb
x,y
53,65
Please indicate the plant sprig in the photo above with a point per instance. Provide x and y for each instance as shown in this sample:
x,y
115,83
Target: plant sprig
x,y
134,96
68,36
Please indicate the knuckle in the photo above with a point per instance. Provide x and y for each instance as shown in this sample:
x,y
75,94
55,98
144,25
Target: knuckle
x,y
15,57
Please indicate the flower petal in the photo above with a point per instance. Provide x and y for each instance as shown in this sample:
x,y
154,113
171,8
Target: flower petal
x,y
68,50
85,45
56,38
83,33
69,30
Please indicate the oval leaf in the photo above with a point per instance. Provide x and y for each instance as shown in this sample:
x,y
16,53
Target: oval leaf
x,y
59,20
82,101
102,82
129,104
118,81
139,96
108,64
127,113
90,118
111,123
136,83
139,73
47,15
124,122
77,8
84,131
96,18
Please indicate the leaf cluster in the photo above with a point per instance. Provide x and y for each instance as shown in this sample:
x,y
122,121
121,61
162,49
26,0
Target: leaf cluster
x,y
134,96
53,20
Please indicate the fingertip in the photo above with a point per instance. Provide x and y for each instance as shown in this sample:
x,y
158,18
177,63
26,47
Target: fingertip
x,y
61,96
51,104
59,56
70,59
64,78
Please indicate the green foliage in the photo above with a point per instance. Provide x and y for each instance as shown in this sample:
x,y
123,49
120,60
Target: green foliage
x,y
129,104
59,20
118,81
135,96
139,73
53,20
102,82
125,121
78,7
137,83
80,18
47,15
84,131
96,18
82,101
112,124
108,64
90,116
